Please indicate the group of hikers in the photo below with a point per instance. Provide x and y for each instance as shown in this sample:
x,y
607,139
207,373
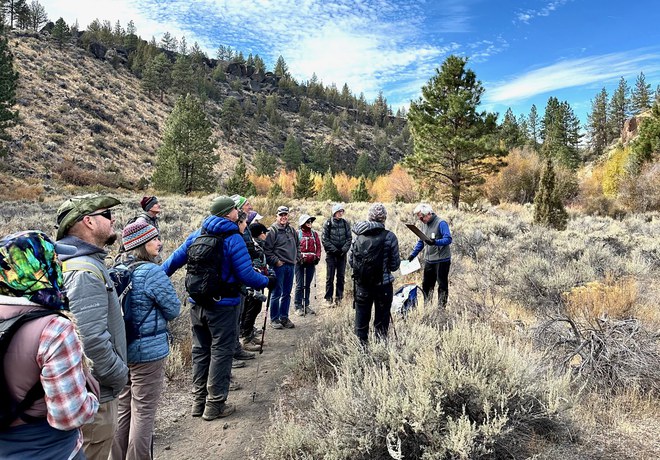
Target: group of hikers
x,y
84,359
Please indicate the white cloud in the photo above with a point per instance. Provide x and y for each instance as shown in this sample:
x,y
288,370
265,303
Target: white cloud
x,y
527,15
574,73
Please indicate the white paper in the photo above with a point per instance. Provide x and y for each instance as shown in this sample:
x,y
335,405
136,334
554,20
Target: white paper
x,y
408,267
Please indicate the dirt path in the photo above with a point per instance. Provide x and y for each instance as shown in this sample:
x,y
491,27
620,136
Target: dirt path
x,y
180,436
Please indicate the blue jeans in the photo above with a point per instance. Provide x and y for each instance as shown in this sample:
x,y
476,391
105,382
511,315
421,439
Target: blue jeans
x,y
304,277
280,299
214,341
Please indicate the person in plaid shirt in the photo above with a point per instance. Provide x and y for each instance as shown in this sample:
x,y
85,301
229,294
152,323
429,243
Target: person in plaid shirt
x,y
46,350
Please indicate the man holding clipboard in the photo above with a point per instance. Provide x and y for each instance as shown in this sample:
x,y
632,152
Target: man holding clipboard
x,y
435,239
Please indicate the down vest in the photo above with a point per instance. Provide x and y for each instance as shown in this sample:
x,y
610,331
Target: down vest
x,y
236,265
151,287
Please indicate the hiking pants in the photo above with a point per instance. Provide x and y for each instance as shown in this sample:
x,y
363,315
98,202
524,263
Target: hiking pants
x,y
304,275
252,309
381,298
439,272
98,435
137,411
214,340
336,264
280,299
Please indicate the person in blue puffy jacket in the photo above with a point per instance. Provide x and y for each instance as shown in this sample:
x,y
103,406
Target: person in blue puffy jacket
x,y
152,302
214,326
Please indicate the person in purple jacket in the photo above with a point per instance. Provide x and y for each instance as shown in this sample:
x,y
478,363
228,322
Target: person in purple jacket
x,y
214,325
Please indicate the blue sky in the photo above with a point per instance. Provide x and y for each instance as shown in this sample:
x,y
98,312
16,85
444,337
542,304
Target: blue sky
x,y
523,51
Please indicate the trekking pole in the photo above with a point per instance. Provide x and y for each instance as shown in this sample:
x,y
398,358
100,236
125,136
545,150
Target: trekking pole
x,y
261,346
396,338
304,289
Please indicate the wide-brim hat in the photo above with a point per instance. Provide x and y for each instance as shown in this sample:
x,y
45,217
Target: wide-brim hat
x,y
304,218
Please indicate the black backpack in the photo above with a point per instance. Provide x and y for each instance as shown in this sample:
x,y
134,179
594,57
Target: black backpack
x,y
122,277
368,258
10,409
204,281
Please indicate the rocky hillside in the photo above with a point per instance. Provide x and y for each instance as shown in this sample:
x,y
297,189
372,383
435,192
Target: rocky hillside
x,y
83,121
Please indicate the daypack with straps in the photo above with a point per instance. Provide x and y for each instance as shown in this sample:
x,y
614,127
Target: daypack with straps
x,y
121,275
308,246
204,281
10,409
368,258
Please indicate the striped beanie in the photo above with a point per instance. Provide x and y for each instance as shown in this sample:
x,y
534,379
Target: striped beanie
x,y
239,201
137,234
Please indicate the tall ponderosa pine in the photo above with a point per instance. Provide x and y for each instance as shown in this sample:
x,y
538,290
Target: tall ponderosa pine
x,y
8,82
264,163
292,156
619,109
239,182
511,134
560,129
598,125
363,165
303,187
548,208
361,193
641,95
454,145
157,75
186,158
533,127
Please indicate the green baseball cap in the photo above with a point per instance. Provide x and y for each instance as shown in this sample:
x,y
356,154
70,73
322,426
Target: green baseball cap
x,y
77,207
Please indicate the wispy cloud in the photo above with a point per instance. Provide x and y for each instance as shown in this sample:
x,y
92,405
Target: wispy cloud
x,y
527,15
575,73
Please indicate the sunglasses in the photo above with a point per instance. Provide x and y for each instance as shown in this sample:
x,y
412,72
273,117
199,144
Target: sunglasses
x,y
283,214
107,214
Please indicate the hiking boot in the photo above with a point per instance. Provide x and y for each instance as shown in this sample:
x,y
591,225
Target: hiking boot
x,y
243,355
198,408
286,322
300,312
249,346
276,324
213,411
256,340
328,303
234,385
236,364
310,311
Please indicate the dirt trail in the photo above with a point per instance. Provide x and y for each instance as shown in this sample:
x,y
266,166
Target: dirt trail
x,y
239,436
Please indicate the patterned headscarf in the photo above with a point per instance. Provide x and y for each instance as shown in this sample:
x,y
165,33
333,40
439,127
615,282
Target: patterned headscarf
x,y
29,268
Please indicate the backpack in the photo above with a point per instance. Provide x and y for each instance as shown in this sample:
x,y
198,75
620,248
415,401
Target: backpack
x,y
10,409
404,300
204,281
121,276
308,247
368,258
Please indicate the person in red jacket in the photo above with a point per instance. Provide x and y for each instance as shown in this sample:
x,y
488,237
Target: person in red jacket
x,y
310,253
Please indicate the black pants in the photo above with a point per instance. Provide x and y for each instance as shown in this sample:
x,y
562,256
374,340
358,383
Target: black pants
x,y
381,298
336,265
436,272
250,313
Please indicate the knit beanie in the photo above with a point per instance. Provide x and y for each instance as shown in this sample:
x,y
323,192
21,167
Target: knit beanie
x,y
254,216
137,234
148,202
257,229
239,201
222,205
336,208
377,213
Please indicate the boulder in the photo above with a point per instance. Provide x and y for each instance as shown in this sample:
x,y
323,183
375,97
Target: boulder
x,y
98,50
629,131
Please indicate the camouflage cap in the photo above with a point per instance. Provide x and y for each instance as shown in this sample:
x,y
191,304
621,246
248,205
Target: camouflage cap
x,y
75,208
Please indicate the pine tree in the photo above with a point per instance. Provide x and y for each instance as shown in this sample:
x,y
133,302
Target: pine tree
x,y
384,163
648,142
510,132
61,33
38,15
329,189
560,129
169,42
292,155
318,157
454,144
533,127
281,68
360,193
619,109
239,183
548,208
363,166
303,187
232,114
598,124
641,95
8,82
157,75
264,163
183,77
186,156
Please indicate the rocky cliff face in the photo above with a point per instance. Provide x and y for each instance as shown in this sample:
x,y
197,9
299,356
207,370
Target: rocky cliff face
x,y
84,119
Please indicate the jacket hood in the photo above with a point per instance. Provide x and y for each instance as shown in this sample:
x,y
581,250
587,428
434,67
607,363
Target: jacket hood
x,y
367,227
216,225
83,248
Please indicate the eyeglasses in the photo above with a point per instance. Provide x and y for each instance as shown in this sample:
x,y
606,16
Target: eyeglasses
x,y
283,214
107,214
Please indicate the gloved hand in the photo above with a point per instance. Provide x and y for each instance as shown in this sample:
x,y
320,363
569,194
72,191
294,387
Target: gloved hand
x,y
411,258
430,243
316,262
272,282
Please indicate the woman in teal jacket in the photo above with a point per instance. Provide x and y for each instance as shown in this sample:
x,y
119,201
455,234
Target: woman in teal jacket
x,y
152,302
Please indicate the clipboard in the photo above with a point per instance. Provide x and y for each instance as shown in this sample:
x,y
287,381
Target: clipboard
x,y
419,233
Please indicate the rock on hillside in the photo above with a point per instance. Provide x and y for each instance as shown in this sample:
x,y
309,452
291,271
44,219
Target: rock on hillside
x,y
84,122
